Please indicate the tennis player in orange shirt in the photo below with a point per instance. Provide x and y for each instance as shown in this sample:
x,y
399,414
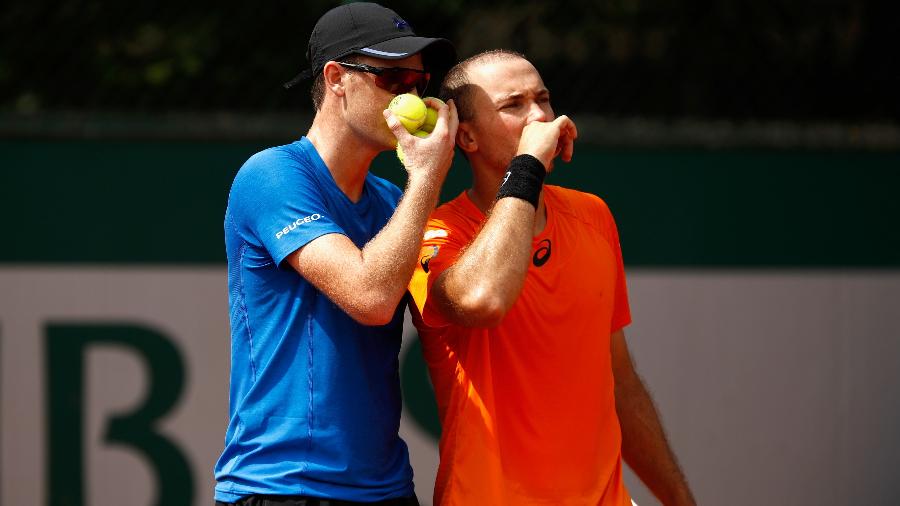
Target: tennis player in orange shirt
x,y
520,301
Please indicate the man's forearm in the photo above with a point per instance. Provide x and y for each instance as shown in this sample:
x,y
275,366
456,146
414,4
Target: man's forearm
x,y
390,257
369,283
644,444
488,275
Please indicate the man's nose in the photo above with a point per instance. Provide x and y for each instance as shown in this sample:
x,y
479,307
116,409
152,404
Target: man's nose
x,y
537,112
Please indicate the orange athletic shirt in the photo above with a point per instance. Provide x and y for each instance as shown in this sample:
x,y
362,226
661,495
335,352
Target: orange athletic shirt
x,y
527,408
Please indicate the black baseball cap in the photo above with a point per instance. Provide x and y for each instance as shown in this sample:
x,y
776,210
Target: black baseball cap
x,y
372,30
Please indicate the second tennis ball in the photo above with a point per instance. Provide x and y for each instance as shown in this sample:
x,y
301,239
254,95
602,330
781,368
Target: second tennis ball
x,y
430,117
410,110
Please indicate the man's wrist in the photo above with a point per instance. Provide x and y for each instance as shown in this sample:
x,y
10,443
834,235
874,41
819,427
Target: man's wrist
x,y
422,187
524,179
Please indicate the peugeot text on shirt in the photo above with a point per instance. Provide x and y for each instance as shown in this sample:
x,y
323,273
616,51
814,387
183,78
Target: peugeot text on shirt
x,y
300,221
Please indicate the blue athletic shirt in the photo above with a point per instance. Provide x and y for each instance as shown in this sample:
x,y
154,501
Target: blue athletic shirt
x,y
315,396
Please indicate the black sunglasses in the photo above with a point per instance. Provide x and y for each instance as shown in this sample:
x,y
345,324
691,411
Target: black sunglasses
x,y
396,80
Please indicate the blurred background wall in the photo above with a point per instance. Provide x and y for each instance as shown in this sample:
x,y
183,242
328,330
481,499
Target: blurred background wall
x,y
749,150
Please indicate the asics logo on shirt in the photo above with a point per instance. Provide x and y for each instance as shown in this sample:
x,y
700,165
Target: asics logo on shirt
x,y
542,254
300,221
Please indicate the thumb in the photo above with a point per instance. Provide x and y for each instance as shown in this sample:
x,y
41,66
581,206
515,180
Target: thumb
x,y
394,124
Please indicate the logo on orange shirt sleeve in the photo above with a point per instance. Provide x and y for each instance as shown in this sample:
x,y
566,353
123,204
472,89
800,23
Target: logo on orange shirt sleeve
x,y
426,258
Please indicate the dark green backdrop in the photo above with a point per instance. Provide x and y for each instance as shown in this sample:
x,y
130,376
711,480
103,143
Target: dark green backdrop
x,y
163,202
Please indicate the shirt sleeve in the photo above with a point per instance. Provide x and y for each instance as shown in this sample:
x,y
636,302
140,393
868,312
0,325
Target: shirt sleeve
x,y
277,203
441,246
621,315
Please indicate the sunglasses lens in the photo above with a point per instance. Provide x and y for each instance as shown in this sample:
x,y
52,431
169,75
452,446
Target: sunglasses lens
x,y
402,80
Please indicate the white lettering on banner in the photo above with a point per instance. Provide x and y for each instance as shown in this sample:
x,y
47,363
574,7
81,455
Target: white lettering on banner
x,y
297,223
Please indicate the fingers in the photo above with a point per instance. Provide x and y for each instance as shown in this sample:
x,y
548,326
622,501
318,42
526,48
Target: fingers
x,y
568,132
453,116
394,124
434,103
433,153
447,121
546,140
568,149
447,115
442,113
566,126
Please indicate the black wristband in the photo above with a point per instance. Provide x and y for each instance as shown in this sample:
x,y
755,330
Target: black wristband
x,y
524,179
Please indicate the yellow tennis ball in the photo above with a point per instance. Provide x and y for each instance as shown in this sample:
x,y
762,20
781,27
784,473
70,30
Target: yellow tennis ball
x,y
409,109
430,117
400,155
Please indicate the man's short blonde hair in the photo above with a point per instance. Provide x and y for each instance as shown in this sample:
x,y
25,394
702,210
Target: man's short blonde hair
x,y
456,84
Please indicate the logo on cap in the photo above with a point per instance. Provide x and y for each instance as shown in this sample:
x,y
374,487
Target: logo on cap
x,y
401,25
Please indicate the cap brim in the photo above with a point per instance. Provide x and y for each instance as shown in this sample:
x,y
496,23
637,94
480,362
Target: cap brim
x,y
439,53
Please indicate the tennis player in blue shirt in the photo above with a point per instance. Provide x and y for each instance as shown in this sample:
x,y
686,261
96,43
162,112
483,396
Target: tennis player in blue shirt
x,y
320,253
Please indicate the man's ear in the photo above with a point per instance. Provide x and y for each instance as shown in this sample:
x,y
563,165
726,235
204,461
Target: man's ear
x,y
333,75
465,138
